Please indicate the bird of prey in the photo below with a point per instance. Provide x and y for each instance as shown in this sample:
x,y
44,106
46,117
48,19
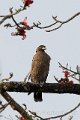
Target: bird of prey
x,y
40,69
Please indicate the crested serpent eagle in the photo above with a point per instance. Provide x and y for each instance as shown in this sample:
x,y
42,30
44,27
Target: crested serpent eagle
x,y
40,69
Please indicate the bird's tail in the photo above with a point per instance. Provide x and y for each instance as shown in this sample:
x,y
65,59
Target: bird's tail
x,y
37,96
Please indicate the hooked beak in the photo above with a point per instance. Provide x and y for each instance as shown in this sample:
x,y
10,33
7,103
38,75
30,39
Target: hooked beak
x,y
44,48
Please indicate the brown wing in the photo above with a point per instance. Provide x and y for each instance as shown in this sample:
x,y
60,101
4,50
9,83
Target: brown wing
x,y
40,67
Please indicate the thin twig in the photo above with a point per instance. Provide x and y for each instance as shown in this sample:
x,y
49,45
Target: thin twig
x,y
58,116
65,68
57,22
5,17
7,79
4,106
35,115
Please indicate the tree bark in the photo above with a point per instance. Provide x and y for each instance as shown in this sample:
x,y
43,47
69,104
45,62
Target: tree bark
x,y
15,106
46,88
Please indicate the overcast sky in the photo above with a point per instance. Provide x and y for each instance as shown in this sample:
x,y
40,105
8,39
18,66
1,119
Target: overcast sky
x,y
62,45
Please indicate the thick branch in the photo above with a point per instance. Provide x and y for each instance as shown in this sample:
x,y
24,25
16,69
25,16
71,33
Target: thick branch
x,y
16,106
46,88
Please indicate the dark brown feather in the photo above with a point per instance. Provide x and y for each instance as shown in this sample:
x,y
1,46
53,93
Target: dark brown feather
x,y
40,68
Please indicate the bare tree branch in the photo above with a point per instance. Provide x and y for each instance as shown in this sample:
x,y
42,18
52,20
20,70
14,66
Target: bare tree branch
x,y
65,68
73,74
46,88
7,79
57,22
60,116
35,115
5,17
4,106
15,106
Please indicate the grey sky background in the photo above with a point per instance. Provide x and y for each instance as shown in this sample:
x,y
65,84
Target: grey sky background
x,y
62,45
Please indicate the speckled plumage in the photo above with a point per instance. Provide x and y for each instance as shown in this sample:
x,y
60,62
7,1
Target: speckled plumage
x,y
40,69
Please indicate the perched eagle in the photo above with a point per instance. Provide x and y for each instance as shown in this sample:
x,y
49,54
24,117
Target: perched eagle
x,y
40,69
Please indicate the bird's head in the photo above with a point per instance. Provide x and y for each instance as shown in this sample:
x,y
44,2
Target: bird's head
x,y
41,48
